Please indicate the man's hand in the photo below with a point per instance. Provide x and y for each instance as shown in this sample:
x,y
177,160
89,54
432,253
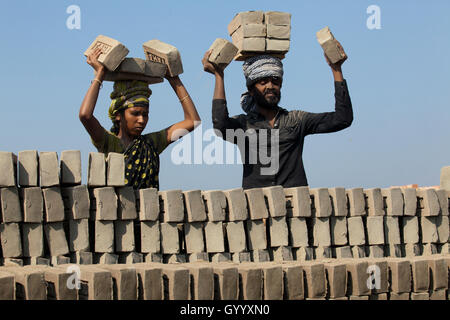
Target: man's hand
x,y
336,66
208,66
92,60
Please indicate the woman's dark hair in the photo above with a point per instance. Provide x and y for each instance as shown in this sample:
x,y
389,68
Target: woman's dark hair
x,y
116,124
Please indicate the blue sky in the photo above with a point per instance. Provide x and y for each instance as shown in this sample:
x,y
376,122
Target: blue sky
x,y
398,77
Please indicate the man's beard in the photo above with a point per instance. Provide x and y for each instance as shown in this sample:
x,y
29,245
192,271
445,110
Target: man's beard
x,y
267,102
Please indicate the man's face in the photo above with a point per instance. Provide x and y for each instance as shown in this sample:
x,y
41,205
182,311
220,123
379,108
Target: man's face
x,y
267,92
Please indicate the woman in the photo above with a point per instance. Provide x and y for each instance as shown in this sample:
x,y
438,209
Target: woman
x,y
129,114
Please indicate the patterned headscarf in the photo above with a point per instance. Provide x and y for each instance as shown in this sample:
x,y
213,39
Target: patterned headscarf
x,y
128,94
256,68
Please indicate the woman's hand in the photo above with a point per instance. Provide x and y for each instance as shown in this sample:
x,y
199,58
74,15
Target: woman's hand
x,y
92,60
208,66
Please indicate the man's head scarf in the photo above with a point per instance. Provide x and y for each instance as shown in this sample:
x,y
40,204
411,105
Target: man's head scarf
x,y
128,94
256,68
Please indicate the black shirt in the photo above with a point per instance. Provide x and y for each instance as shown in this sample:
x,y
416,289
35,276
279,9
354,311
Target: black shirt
x,y
270,166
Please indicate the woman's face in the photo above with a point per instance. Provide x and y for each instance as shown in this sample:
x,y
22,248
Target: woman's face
x,y
134,120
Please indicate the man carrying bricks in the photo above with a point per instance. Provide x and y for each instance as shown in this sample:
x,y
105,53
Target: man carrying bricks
x,y
263,116
129,113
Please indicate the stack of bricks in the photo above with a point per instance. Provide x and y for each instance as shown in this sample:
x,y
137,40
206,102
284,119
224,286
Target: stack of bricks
x,y
258,32
417,278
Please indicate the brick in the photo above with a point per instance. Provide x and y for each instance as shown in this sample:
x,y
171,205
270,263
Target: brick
x,y
293,282
239,257
260,255
375,229
198,256
303,253
113,52
127,203
278,232
10,240
30,282
445,178
439,278
330,45
95,282
59,260
236,236
376,251
105,203
443,201
438,295
115,170
176,283
399,296
250,282
7,286
32,239
343,252
336,274
12,262
356,235
36,261
49,169
256,234
252,30
56,238
226,282
124,235
279,32
8,163
103,236
193,235
10,205
202,282
173,206
148,204
76,202
272,282
410,226
338,201
53,204
138,69
32,204
298,232
195,207
338,230
150,237
282,254
358,298
220,257
356,202
378,275
420,274
410,199
277,18
81,257
400,270
322,202
429,229
393,250
237,204
71,167
222,53
375,204
391,230
359,252
276,200
322,253
169,238
245,18
79,235
251,44
131,257
150,283
216,204
256,204
393,199
96,169
413,249
298,202
214,237
420,296
429,249
158,51
106,258
28,168
315,286
124,281
57,283
357,278
321,231
428,202
442,226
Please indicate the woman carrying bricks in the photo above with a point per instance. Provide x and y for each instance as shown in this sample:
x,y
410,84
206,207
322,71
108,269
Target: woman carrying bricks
x,y
129,114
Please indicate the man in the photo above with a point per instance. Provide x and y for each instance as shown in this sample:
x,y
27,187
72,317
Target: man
x,y
268,126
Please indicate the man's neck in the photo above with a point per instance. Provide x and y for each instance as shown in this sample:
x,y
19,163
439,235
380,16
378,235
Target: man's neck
x,y
269,114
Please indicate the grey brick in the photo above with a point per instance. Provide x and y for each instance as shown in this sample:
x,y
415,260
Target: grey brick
x,y
321,232
429,202
10,205
276,200
375,203
410,199
54,205
96,169
169,238
124,235
256,204
105,203
8,163
214,237
173,206
70,167
56,238
278,231
76,202
32,239
375,230
391,230
236,236
167,54
149,204
193,235
338,230
237,204
79,235
48,169
410,227
150,237
10,240
256,233
115,170
393,199
195,207
103,236
338,201
32,204
356,202
127,203
28,168
216,204
322,202
298,201
298,232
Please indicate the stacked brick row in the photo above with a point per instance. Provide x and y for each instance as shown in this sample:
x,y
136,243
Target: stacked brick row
x,y
415,278
49,217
